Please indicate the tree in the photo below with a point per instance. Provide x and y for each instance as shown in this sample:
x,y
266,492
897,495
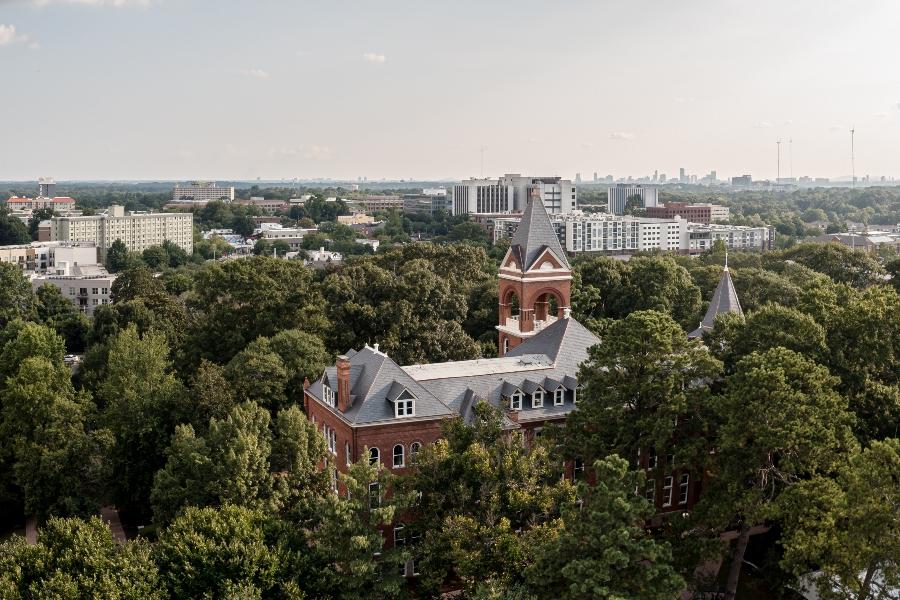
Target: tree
x,y
217,553
56,463
38,215
847,527
177,255
262,247
257,373
842,264
117,256
297,451
16,297
12,230
57,312
644,376
79,560
304,357
779,421
236,302
769,327
593,282
603,549
155,257
211,393
657,283
142,401
229,466
478,488
347,537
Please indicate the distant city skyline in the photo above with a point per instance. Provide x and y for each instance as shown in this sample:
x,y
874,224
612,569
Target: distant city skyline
x,y
196,89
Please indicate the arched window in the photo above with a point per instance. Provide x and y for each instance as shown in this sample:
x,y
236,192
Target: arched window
x,y
414,449
373,456
398,456
505,345
347,456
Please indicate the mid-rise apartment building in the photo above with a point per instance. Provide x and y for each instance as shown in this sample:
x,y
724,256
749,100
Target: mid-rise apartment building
x,y
373,202
138,230
200,193
695,213
59,204
86,287
624,234
42,257
511,193
619,194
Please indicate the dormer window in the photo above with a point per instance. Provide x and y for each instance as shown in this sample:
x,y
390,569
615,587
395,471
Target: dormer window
x,y
405,405
327,394
558,396
515,400
405,408
537,398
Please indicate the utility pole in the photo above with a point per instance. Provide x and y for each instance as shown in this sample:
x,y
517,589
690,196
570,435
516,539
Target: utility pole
x,y
778,145
791,152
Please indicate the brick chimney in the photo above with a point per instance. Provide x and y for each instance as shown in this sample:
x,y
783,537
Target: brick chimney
x,y
343,383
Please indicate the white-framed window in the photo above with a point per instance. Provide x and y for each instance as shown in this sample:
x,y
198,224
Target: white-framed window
x,y
505,345
414,450
334,480
652,460
347,456
515,401
684,488
667,491
374,495
650,491
559,396
405,407
537,398
327,394
577,468
575,396
399,535
399,456
374,456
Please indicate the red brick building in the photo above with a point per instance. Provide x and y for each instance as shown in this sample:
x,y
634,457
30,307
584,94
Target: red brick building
x,y
366,400
695,213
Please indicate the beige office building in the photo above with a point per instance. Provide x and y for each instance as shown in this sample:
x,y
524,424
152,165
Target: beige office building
x,y
138,231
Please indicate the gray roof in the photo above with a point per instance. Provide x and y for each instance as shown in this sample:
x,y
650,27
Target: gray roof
x,y
564,346
376,381
550,358
724,300
534,235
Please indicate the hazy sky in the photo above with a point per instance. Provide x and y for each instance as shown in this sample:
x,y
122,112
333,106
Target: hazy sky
x,y
153,89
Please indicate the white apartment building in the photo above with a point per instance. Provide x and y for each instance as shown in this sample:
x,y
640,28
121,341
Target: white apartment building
x,y
511,192
42,257
86,287
201,192
618,195
138,230
623,234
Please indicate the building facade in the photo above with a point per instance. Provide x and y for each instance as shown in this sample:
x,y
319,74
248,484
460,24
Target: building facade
x,y
624,234
43,257
703,214
60,204
511,193
618,195
200,193
137,230
85,287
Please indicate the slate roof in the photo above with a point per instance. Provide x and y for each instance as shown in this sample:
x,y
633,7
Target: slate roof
x,y
376,380
549,359
724,300
535,234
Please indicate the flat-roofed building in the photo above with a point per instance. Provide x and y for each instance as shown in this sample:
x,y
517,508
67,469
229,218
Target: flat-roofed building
x,y
702,213
511,193
200,193
619,195
137,230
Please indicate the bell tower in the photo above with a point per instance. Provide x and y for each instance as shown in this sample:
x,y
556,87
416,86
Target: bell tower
x,y
535,279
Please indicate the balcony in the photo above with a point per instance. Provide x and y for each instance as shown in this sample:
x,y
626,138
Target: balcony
x,y
513,326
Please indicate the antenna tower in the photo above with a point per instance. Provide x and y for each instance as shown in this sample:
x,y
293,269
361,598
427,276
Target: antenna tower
x,y
852,157
778,144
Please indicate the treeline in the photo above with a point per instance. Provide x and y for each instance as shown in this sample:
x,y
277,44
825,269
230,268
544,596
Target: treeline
x,y
185,414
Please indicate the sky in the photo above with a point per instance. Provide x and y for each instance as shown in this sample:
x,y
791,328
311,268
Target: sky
x,y
421,89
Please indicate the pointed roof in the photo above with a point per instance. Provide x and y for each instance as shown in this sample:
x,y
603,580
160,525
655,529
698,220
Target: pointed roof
x,y
724,300
535,234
